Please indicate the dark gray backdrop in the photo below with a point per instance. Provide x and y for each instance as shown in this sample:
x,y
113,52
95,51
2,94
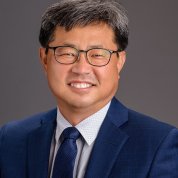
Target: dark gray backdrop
x,y
149,81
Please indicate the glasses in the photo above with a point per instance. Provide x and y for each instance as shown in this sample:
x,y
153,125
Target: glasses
x,y
69,55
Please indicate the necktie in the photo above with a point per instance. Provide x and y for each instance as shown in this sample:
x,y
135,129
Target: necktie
x,y
65,158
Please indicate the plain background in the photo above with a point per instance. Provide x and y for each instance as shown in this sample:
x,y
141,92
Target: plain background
x,y
149,81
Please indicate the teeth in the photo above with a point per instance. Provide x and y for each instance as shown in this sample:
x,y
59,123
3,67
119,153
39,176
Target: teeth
x,y
81,85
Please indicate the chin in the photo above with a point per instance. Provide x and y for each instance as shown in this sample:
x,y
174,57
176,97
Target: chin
x,y
81,104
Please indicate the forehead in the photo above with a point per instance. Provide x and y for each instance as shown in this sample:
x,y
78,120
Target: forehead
x,y
93,34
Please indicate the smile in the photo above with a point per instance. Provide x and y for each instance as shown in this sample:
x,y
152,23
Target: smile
x,y
81,85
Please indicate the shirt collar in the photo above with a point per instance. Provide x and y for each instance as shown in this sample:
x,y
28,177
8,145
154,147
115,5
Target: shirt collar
x,y
88,128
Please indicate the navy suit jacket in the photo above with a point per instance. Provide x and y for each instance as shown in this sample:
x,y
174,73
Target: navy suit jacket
x,y
128,145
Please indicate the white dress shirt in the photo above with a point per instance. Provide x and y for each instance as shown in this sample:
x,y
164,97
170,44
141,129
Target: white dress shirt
x,y
89,129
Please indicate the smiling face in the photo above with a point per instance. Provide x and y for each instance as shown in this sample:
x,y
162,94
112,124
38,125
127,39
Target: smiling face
x,y
81,87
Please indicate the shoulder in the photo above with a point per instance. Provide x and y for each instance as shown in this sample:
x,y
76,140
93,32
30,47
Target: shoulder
x,y
138,125
157,139
151,145
24,126
141,121
149,132
145,121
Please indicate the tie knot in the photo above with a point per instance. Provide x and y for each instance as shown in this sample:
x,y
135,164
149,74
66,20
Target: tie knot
x,y
71,133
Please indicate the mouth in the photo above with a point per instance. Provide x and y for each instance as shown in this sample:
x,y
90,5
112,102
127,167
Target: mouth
x,y
81,85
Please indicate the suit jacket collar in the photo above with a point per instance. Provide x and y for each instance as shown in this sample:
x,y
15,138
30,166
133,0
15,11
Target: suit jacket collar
x,y
109,142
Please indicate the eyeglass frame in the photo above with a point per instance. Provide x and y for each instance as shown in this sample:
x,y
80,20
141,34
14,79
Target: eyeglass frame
x,y
83,51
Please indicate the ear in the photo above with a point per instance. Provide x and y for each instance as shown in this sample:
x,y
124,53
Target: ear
x,y
121,61
43,57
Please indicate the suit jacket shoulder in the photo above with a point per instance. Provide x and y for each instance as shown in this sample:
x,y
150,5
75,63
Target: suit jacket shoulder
x,y
133,145
25,146
26,125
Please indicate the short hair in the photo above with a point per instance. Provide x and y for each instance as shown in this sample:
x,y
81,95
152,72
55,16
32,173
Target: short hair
x,y
72,13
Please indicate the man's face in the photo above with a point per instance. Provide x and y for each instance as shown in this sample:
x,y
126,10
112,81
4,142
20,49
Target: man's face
x,y
81,86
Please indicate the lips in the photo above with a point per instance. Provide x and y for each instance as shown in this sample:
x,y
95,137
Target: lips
x,y
80,85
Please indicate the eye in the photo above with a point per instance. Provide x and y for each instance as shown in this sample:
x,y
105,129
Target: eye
x,y
97,55
66,52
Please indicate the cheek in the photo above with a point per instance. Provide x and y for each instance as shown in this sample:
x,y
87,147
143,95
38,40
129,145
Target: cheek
x,y
108,75
56,74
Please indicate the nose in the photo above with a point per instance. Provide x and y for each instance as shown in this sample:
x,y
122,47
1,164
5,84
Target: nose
x,y
81,66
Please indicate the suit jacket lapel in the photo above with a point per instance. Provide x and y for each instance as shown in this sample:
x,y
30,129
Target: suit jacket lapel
x,y
109,142
39,144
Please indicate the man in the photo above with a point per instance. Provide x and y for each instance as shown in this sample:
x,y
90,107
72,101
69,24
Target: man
x,y
83,52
